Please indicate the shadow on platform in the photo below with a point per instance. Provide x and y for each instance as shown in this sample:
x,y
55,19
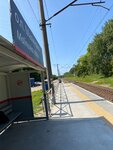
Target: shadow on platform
x,y
85,101
59,134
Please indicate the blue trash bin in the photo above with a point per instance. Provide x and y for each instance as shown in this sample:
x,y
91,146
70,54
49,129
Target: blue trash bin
x,y
46,86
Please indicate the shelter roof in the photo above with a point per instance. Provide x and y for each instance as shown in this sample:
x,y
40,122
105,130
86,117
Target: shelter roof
x,y
10,59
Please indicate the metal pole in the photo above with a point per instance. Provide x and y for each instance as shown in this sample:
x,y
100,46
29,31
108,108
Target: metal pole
x,y
44,95
45,41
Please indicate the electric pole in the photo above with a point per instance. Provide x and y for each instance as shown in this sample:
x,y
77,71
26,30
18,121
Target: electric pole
x,y
59,76
58,71
44,31
45,41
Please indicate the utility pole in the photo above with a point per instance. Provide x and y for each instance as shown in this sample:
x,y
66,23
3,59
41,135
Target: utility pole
x,y
44,31
59,76
45,41
58,71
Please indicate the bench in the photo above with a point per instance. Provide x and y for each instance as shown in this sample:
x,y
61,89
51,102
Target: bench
x,y
12,117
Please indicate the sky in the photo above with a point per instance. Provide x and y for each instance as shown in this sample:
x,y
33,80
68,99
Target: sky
x,y
70,33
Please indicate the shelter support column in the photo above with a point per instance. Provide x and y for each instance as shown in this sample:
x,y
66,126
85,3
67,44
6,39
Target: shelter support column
x,y
44,95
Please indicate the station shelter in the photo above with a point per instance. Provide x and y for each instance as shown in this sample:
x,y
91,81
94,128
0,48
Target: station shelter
x,y
15,90
24,51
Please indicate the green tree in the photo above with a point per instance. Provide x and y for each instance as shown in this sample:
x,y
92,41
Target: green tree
x,y
99,56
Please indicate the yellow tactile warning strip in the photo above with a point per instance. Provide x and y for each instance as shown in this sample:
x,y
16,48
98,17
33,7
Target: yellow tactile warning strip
x,y
95,107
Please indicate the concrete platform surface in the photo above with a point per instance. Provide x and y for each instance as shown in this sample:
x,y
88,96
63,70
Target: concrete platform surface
x,y
70,105
77,123
67,134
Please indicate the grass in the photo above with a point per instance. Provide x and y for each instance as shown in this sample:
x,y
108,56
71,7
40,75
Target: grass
x,y
94,79
37,103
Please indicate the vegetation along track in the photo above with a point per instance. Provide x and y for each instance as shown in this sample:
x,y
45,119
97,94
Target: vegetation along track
x,y
105,92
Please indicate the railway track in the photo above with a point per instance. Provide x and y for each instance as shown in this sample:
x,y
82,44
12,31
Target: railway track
x,y
105,92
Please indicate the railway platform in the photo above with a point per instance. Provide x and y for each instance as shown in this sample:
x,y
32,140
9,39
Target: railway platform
x,y
80,120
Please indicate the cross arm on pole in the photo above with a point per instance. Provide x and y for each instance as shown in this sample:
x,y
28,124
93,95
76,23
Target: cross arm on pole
x,y
91,3
101,6
61,10
97,3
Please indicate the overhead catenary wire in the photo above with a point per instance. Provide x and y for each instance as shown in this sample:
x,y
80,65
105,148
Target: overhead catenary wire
x,y
22,12
100,22
54,47
21,7
61,10
88,27
72,4
51,32
46,9
33,12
